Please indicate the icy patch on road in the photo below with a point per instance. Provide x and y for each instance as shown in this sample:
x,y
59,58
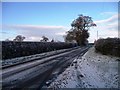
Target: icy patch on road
x,y
93,70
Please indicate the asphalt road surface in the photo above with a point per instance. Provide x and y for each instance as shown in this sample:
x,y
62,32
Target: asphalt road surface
x,y
39,73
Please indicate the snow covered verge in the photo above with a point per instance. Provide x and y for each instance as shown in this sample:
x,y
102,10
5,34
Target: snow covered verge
x,y
93,70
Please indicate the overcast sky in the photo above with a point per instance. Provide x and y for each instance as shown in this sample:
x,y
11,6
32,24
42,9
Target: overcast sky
x,y
33,20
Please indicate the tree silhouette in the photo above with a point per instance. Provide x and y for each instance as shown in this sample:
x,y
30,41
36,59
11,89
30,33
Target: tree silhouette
x,y
79,30
52,40
44,39
19,38
7,40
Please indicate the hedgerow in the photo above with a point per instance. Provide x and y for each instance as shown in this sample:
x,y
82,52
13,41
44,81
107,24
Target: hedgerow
x,y
109,46
12,49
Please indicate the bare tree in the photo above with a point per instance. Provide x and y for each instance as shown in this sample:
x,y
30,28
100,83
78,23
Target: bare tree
x,y
19,38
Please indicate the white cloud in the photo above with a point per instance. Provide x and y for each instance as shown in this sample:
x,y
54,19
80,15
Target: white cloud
x,y
108,13
61,33
31,27
35,32
106,28
114,18
33,38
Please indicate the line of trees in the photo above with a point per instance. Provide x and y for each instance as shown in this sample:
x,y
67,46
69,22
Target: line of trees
x,y
20,38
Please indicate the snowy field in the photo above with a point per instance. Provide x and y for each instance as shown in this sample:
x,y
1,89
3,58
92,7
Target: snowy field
x,y
93,70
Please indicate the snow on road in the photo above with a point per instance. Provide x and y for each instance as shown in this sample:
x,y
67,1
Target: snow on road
x,y
93,70
32,57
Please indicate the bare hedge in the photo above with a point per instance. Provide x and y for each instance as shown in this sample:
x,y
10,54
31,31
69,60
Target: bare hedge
x,y
17,49
109,46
